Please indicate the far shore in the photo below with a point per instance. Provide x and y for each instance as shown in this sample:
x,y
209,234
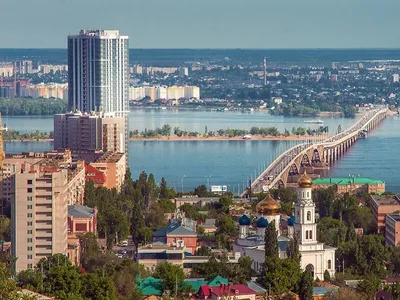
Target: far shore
x,y
30,140
173,138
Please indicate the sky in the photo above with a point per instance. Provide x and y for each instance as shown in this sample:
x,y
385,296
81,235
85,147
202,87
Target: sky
x,y
263,24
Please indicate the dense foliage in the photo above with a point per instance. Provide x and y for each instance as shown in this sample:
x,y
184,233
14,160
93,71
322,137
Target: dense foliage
x,y
29,106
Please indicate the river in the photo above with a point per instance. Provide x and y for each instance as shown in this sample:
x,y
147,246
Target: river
x,y
186,164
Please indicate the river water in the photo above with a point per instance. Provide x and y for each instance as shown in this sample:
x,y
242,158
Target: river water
x,y
186,164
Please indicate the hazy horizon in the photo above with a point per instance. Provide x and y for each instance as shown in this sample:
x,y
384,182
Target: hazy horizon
x,y
207,24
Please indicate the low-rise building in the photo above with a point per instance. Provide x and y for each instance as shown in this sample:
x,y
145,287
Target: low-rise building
x,y
178,233
383,205
156,253
82,219
226,291
95,175
350,185
194,200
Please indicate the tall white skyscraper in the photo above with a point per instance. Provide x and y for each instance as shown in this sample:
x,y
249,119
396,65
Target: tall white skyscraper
x,y
98,73
98,67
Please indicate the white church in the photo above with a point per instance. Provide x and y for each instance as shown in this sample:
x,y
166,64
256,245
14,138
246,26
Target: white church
x,y
315,256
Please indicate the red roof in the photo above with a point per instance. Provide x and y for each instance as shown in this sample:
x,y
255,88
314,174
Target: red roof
x,y
205,290
231,290
94,174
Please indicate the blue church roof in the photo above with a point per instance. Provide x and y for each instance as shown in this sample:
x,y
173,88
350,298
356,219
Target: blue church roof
x,y
262,223
244,220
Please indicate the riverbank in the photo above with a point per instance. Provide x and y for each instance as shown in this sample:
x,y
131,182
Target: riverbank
x,y
174,138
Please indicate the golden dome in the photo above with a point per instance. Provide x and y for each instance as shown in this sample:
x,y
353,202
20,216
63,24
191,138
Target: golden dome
x,y
268,206
305,181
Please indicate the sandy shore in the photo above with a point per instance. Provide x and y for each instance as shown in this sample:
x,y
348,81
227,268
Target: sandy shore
x,y
236,138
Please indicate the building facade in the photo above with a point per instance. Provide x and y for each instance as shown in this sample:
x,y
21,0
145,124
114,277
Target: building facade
x,y
98,73
392,229
381,206
89,132
350,185
98,69
113,165
39,208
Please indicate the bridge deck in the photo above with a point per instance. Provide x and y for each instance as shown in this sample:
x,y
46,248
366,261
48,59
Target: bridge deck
x,y
273,173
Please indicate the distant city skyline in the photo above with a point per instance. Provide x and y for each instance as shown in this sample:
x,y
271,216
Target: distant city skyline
x,y
254,24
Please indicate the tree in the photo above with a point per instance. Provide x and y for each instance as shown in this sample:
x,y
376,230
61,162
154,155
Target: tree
x,y
62,281
351,234
163,189
369,286
171,275
344,293
5,228
324,199
137,221
327,276
9,289
224,203
201,191
89,249
30,279
226,225
271,241
306,286
98,287
292,249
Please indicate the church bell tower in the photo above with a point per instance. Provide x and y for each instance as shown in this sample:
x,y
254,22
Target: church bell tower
x,y
305,225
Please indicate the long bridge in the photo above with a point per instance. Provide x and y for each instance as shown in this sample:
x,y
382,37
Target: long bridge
x,y
314,156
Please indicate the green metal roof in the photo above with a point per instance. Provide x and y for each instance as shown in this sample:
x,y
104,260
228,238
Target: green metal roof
x,y
346,180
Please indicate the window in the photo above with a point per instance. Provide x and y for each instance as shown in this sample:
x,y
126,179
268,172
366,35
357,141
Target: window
x,y
29,256
30,266
29,215
306,234
30,198
310,234
29,231
309,216
29,248
29,206
29,181
29,190
29,240
329,264
29,223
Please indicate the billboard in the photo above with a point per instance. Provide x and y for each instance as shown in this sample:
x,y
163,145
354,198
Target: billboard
x,y
219,188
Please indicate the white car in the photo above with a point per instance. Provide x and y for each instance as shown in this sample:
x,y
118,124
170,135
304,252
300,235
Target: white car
x,y
124,243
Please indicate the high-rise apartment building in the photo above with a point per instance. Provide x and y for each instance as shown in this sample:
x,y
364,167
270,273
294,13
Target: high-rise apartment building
x,y
39,206
89,132
98,70
98,73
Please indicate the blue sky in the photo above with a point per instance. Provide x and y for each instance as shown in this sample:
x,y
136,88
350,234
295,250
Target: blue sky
x,y
206,23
